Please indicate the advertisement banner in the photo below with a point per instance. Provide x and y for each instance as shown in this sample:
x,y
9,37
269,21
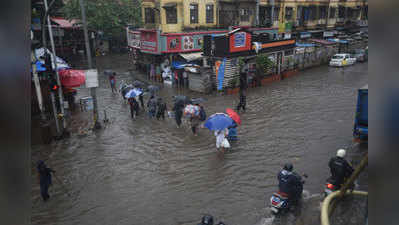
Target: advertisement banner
x,y
174,43
220,74
149,41
240,41
134,40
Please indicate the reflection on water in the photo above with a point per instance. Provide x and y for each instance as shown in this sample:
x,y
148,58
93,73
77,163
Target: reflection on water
x,y
149,172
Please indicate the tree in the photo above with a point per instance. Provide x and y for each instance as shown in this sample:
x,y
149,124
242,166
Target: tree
x,y
108,16
263,64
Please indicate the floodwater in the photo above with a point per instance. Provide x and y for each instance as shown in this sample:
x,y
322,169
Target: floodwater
x,y
150,172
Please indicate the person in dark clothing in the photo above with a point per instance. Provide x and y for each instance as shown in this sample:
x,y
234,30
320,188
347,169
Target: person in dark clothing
x,y
178,108
45,179
232,136
290,183
243,101
243,81
202,114
141,99
134,107
161,109
152,106
340,168
207,220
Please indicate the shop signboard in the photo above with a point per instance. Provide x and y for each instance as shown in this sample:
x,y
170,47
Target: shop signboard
x,y
91,78
149,41
174,43
240,41
134,39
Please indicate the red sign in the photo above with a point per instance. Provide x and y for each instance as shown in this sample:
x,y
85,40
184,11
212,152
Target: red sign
x,y
174,43
149,41
240,41
72,78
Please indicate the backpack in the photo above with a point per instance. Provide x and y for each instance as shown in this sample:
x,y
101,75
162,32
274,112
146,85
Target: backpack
x,y
202,114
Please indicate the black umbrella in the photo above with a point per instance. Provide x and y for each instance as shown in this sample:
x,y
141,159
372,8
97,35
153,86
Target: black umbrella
x,y
125,90
138,84
181,99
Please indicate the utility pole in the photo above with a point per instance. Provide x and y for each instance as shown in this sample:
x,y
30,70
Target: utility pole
x,y
328,14
93,90
60,94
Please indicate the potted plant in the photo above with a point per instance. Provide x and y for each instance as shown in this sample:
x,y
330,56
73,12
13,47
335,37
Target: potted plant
x,y
263,66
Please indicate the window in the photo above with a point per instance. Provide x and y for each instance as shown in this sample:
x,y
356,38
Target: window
x,y
288,13
332,12
313,12
193,13
244,15
323,12
149,15
209,13
171,15
341,12
276,13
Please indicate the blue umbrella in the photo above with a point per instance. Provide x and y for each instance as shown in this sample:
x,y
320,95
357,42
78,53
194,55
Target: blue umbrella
x,y
218,121
133,93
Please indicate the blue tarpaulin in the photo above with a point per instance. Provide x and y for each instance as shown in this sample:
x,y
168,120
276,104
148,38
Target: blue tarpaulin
x,y
181,65
221,74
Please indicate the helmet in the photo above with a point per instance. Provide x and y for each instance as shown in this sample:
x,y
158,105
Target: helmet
x,y
207,220
288,166
341,153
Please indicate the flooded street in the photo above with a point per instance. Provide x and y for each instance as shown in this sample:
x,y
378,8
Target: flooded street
x,y
150,172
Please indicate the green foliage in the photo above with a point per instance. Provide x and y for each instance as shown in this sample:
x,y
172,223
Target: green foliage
x,y
263,64
111,17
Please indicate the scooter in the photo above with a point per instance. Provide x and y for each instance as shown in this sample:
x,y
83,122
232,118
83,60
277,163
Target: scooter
x,y
280,203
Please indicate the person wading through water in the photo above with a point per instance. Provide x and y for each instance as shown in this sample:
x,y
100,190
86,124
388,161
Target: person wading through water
x,y
178,108
161,105
134,107
44,179
243,101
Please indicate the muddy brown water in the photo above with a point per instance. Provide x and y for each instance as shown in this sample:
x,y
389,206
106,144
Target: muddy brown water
x,y
150,172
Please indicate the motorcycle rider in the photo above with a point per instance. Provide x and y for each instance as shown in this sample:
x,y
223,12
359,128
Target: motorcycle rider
x,y
340,168
290,183
207,220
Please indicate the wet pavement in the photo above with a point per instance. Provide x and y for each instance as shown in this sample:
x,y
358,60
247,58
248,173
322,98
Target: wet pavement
x,y
150,172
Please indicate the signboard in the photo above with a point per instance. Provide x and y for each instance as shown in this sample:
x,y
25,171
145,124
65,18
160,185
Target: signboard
x,y
188,42
149,41
328,34
134,40
174,43
86,104
239,39
305,35
91,78
287,36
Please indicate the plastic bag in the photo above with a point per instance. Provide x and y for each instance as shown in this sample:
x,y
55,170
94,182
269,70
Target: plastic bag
x,y
225,143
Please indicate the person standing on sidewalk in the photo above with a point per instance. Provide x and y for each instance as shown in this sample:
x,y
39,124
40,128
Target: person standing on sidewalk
x,y
243,101
44,179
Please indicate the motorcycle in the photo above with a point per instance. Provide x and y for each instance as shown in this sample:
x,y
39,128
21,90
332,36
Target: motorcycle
x,y
280,203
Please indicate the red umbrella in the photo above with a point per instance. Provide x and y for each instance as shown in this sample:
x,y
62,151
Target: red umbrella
x,y
72,78
234,116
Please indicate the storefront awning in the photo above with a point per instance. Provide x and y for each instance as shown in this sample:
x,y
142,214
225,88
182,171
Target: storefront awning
x,y
192,56
64,23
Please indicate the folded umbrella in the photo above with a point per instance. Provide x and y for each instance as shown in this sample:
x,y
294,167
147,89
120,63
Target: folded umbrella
x,y
218,121
233,115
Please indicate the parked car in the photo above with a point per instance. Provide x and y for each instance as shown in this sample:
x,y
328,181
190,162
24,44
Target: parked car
x,y
344,59
360,55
